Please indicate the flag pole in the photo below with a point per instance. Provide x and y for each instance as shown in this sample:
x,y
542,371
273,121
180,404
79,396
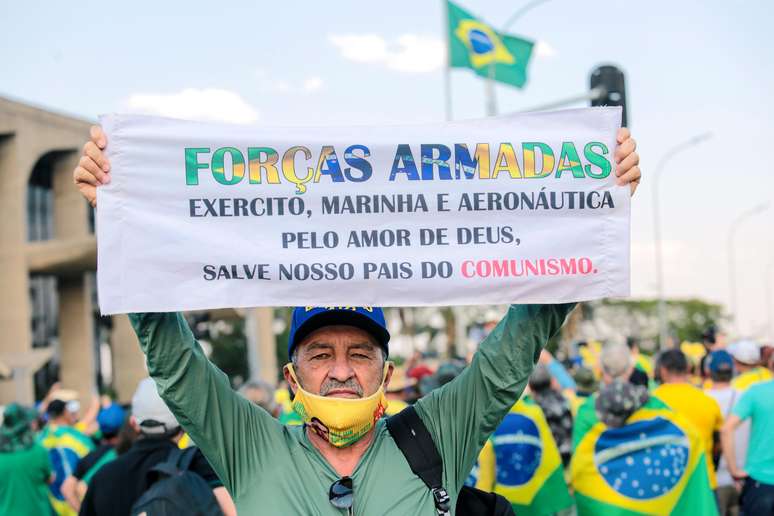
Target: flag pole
x,y
491,99
447,71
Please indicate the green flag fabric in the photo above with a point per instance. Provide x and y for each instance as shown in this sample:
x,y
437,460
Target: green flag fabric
x,y
654,464
521,462
476,45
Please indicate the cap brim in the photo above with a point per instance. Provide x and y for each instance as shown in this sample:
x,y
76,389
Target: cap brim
x,y
344,318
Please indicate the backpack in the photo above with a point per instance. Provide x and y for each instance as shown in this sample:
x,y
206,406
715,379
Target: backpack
x,y
416,444
175,490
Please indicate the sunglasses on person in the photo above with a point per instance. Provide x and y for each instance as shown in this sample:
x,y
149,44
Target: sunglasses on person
x,y
341,495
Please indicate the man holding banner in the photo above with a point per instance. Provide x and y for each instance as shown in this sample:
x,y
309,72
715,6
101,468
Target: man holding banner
x,y
343,460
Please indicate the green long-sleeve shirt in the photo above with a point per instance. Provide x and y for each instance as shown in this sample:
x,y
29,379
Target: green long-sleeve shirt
x,y
273,469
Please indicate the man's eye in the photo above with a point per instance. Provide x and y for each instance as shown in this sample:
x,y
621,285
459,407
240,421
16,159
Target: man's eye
x,y
360,355
321,356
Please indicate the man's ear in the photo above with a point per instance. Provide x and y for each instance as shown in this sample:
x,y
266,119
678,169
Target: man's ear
x,y
388,377
289,378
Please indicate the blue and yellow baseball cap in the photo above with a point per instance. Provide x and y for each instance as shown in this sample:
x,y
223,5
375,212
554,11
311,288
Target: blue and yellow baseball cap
x,y
307,319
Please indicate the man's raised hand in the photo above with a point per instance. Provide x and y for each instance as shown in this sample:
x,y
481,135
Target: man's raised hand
x,y
93,168
627,160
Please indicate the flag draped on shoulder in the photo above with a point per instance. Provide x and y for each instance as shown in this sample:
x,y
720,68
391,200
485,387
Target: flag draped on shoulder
x,y
654,464
476,45
528,468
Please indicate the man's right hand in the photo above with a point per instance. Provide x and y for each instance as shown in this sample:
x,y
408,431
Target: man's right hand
x,y
93,168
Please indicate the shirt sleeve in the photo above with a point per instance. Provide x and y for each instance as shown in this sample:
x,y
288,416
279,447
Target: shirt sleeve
x,y
463,413
744,406
231,432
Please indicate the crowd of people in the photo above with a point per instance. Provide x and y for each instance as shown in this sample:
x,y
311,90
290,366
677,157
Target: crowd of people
x,y
55,460
610,430
604,430
676,433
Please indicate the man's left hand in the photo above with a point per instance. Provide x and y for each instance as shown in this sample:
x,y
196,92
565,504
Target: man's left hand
x,y
627,160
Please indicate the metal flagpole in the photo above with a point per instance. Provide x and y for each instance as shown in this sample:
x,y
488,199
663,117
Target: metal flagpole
x,y
491,100
769,307
447,72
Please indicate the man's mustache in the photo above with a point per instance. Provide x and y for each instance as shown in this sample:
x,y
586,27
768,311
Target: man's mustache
x,y
351,384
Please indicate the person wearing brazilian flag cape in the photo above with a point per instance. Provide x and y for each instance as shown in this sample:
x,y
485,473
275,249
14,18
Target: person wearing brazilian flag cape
x,y
632,454
521,462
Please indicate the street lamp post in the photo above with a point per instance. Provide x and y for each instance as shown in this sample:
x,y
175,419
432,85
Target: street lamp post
x,y
768,276
731,265
662,320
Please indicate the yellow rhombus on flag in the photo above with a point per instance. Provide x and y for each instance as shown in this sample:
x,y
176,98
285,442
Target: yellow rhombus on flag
x,y
476,45
654,464
521,462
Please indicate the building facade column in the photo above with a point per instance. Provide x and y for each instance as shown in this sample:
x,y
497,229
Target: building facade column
x,y
78,360
14,281
261,347
128,361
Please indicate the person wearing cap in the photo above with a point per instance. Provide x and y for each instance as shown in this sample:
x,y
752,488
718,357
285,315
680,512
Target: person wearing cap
x,y
720,367
66,446
616,365
681,396
117,485
343,459
25,469
110,420
618,433
755,404
338,373
747,362
585,381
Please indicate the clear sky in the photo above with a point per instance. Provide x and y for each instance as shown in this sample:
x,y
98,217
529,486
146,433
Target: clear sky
x,y
692,66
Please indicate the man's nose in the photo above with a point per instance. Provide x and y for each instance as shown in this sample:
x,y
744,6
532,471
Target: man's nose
x,y
341,370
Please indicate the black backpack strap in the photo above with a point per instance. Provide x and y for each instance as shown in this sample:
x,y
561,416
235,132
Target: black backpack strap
x,y
166,469
417,445
185,459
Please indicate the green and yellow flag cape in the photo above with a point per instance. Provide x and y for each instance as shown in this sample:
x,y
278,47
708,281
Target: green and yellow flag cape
x,y
521,462
655,464
474,44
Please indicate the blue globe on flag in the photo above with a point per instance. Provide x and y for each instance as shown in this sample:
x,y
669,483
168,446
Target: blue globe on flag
x,y
642,460
518,449
480,42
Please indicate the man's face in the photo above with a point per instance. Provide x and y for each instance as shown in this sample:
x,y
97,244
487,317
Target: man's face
x,y
339,361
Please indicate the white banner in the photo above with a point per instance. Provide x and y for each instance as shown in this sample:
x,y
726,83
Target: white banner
x,y
518,209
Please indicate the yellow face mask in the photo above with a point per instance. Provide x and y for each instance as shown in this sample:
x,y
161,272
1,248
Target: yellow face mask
x,y
340,421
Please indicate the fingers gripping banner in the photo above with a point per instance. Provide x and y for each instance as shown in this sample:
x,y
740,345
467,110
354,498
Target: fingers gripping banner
x,y
521,208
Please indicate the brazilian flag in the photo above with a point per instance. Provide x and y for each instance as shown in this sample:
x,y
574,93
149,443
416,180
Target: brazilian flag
x,y
655,464
476,45
521,462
